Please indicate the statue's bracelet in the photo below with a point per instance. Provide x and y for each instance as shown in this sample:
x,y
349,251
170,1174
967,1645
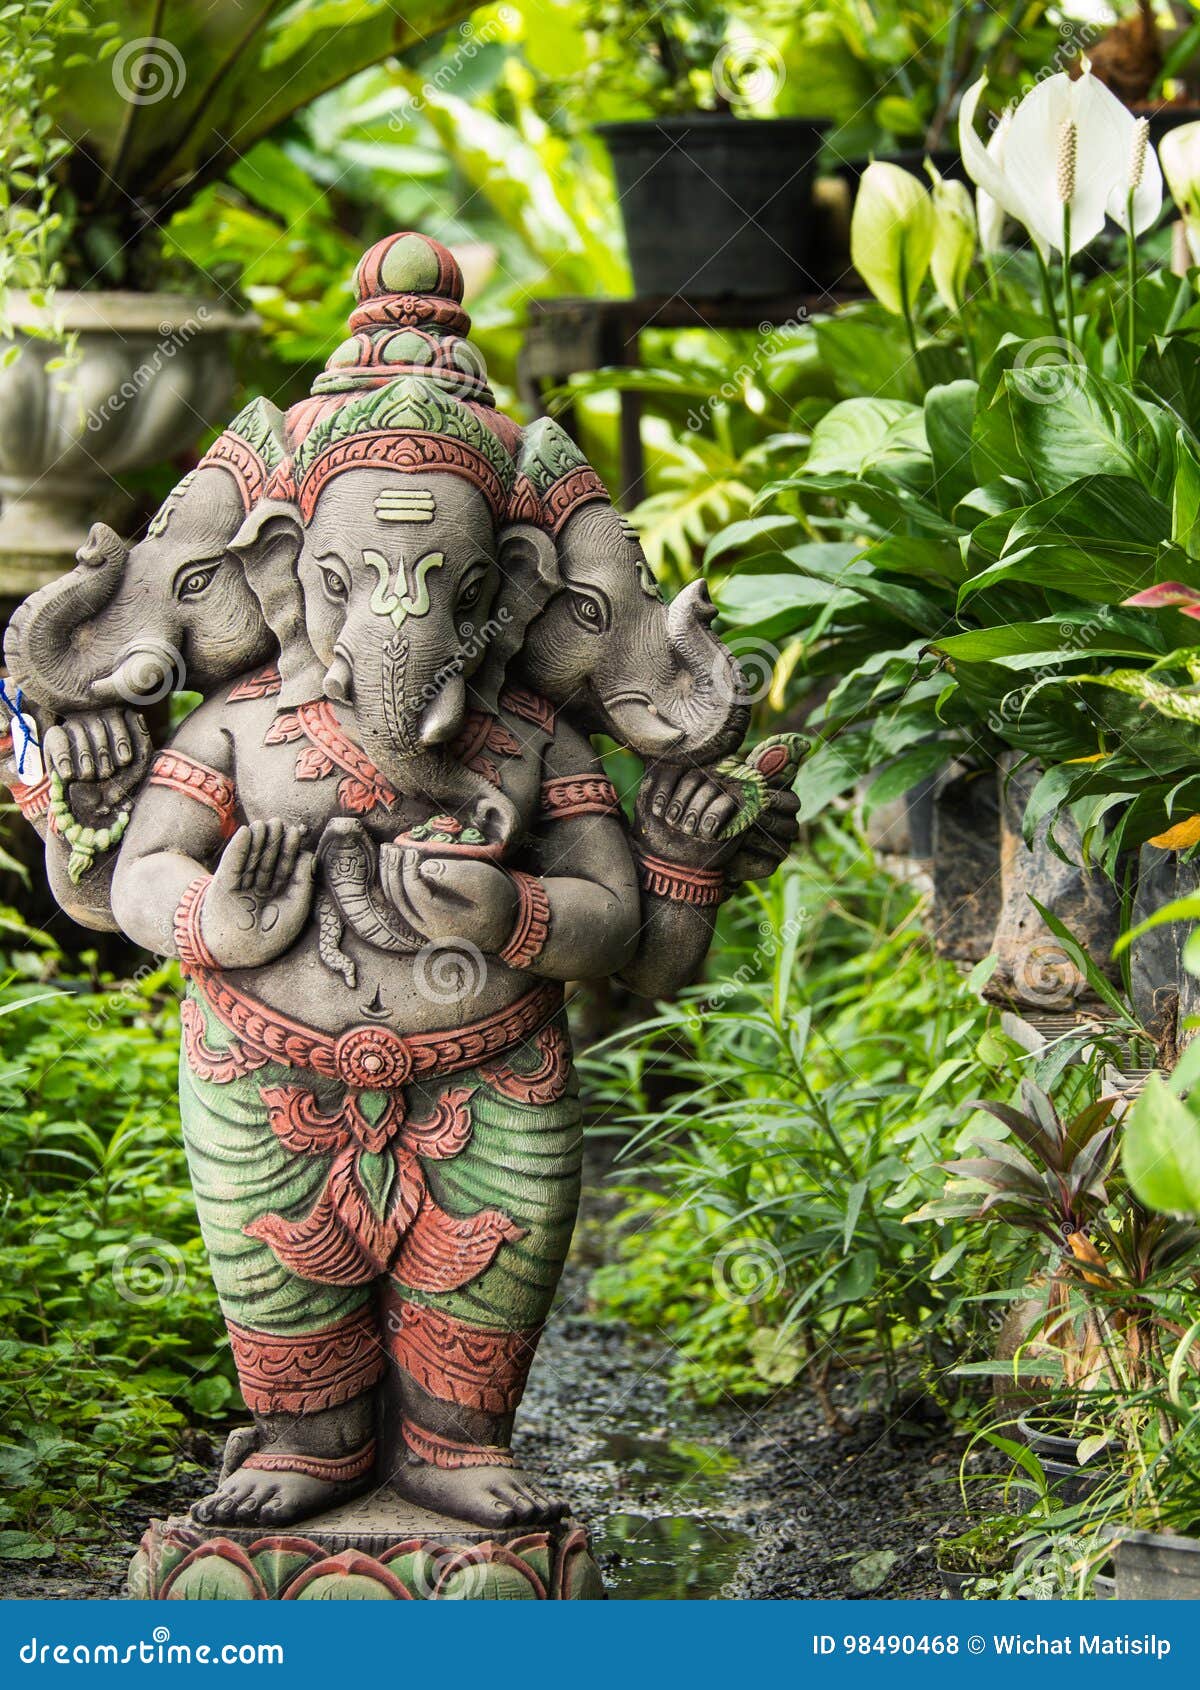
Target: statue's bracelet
x,y
531,929
189,941
678,883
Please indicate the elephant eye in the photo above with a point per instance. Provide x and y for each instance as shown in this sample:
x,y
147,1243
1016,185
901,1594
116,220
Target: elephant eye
x,y
471,593
589,609
334,585
196,581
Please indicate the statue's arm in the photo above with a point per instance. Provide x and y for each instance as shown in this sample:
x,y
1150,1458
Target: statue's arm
x,y
686,873
586,878
183,818
100,758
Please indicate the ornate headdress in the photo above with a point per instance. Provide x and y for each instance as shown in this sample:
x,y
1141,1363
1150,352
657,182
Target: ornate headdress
x,y
407,391
250,449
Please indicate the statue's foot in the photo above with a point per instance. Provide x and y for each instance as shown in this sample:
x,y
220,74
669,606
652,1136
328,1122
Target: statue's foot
x,y
487,1496
266,1490
252,1498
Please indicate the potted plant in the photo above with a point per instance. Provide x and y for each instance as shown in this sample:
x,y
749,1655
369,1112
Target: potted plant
x,y
112,117
716,197
1109,1277
974,1562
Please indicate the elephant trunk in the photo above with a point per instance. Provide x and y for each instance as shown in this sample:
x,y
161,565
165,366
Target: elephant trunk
x,y
40,646
407,731
717,708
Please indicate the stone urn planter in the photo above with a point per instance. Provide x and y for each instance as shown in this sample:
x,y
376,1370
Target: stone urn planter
x,y
1033,969
153,371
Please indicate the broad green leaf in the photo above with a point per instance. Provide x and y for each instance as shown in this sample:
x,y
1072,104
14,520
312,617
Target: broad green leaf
x,y
1162,1150
862,434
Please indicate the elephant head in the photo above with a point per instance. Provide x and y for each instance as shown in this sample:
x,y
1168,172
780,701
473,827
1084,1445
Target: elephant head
x,y
651,675
131,623
401,579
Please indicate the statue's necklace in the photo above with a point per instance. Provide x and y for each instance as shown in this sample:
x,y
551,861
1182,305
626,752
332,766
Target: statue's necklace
x,y
85,842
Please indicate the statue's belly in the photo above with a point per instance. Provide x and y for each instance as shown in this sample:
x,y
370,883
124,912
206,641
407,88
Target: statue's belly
x,y
442,986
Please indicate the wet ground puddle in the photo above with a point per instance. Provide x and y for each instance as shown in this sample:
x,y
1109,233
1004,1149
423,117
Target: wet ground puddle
x,y
685,1549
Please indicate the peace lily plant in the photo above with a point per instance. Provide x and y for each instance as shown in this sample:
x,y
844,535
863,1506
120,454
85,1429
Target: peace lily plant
x,y
992,539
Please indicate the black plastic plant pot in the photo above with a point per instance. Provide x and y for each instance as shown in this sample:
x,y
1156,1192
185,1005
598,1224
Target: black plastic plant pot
x,y
715,206
1058,1454
1155,1567
947,161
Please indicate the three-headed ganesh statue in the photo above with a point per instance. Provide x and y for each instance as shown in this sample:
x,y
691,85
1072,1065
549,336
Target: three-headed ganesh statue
x,y
379,847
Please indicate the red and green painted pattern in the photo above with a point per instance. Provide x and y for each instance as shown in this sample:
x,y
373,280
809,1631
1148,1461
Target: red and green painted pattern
x,y
178,1563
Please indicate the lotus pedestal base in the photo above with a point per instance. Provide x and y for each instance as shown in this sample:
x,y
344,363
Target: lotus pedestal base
x,y
375,1549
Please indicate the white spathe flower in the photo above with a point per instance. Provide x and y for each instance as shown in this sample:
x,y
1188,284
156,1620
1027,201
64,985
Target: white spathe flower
x,y
1023,176
989,213
953,240
891,234
1143,176
1180,150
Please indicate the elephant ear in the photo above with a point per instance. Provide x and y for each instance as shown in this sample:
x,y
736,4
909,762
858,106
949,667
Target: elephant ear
x,y
529,578
269,544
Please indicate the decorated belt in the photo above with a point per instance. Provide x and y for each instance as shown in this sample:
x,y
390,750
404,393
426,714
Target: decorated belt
x,y
366,1057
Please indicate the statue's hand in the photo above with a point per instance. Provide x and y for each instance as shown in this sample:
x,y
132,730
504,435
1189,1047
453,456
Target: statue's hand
x,y
448,898
768,841
681,813
260,894
740,815
101,757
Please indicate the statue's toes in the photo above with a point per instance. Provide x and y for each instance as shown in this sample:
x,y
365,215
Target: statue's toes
x,y
221,1508
252,1505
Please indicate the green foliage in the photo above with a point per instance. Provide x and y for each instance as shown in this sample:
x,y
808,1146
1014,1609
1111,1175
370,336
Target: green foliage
x,y
964,558
112,1337
155,102
452,141
814,1086
890,73
30,149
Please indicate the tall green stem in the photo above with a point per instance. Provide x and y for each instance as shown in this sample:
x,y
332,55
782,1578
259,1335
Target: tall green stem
x,y
1048,291
1068,287
1131,278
